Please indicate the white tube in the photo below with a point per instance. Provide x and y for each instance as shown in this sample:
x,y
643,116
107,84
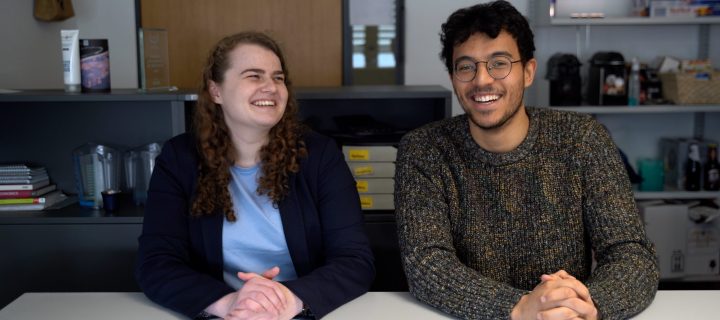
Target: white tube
x,y
71,59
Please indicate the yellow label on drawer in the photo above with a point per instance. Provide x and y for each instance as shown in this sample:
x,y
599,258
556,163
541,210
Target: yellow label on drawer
x,y
362,186
359,155
364,170
366,202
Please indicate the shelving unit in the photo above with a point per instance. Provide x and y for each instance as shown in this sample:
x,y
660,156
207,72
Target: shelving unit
x,y
676,195
75,248
634,21
94,250
644,109
638,130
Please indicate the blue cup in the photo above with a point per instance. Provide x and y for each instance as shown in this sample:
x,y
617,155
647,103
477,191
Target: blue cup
x,y
652,172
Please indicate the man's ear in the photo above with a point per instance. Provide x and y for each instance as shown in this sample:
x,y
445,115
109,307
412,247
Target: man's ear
x,y
214,91
529,71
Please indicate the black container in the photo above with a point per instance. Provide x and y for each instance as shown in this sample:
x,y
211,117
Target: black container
x,y
607,79
563,72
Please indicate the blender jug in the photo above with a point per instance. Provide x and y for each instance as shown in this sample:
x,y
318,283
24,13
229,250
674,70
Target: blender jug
x,y
139,163
97,168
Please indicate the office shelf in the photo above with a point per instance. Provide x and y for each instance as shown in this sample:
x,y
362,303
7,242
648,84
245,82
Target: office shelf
x,y
635,21
642,109
119,95
678,195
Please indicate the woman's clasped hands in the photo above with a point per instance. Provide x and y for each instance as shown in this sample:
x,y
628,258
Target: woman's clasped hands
x,y
261,298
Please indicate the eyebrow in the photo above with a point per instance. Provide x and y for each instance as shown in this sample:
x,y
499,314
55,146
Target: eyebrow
x,y
493,55
261,71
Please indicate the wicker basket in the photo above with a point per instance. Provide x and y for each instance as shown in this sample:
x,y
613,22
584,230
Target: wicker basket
x,y
684,88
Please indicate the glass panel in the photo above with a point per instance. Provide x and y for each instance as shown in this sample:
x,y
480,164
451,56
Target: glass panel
x,y
374,42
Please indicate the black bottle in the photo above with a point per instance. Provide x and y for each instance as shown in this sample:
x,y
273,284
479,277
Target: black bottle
x,y
693,170
712,169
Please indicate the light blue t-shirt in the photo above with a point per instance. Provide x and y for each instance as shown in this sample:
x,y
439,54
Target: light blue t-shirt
x,y
255,242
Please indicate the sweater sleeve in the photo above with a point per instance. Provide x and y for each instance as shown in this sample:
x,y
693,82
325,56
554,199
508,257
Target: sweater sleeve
x,y
626,277
435,274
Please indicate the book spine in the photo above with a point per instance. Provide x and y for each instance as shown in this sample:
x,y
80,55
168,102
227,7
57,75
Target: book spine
x,y
22,201
7,187
16,194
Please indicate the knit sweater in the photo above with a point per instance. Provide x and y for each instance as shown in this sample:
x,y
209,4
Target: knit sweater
x,y
477,229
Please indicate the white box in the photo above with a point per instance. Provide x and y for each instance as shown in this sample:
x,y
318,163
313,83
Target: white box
x,y
375,185
369,153
703,248
665,226
372,169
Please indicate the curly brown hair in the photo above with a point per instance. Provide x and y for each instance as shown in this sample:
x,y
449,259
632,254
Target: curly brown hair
x,y
279,157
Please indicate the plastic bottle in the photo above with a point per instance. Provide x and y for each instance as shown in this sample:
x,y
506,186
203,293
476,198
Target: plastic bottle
x,y
634,83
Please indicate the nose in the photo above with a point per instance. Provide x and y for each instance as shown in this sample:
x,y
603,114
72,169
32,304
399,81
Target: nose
x,y
482,76
269,85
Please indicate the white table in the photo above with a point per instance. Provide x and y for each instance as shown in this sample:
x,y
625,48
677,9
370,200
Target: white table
x,y
373,305
400,305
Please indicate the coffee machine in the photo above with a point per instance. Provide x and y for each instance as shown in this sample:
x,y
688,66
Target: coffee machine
x,y
607,79
563,72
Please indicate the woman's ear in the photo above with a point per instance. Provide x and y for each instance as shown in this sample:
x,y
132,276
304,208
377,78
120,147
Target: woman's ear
x,y
214,91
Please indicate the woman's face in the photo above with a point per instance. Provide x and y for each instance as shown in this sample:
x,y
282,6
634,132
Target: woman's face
x,y
253,94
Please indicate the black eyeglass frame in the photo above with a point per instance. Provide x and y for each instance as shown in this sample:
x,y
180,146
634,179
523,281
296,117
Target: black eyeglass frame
x,y
487,67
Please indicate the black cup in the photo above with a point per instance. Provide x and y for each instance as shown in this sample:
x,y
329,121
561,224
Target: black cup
x,y
110,200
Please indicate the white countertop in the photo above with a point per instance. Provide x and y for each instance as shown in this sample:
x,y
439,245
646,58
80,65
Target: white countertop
x,y
701,304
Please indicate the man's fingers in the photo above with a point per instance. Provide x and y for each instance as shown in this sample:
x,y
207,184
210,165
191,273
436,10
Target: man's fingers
x,y
559,308
558,293
580,289
559,313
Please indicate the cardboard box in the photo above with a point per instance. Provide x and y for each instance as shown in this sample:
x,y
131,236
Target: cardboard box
x,y
372,169
369,153
665,226
375,185
671,9
377,202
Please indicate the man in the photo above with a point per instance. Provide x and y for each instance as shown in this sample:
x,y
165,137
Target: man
x,y
499,210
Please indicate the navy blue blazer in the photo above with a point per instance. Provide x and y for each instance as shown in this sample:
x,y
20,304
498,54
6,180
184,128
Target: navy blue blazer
x,y
180,257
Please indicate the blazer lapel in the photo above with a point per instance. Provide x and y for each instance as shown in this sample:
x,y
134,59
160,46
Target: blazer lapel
x,y
294,228
211,228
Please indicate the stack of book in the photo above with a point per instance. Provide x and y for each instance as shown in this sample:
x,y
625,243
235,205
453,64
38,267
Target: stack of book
x,y
24,187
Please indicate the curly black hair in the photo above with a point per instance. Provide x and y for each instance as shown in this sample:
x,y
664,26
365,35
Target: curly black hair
x,y
488,18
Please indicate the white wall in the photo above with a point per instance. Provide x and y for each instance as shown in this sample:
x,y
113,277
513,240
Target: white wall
x,y
422,43
30,50
422,40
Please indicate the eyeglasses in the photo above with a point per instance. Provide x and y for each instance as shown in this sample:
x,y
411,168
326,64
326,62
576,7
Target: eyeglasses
x,y
497,67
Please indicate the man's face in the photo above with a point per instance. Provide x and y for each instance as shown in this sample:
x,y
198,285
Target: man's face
x,y
491,102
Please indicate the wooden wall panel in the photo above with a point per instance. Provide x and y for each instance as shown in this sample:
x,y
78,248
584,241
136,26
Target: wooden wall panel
x,y
309,31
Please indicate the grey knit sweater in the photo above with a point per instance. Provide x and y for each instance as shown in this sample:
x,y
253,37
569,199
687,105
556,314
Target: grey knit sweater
x,y
477,229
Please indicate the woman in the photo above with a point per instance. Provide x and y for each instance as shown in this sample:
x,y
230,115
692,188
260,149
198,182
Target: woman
x,y
251,217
